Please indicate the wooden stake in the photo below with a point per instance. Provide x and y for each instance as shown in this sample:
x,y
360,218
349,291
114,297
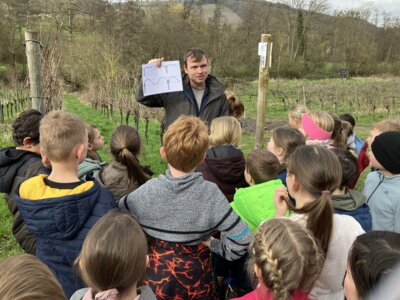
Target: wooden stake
x,y
263,80
35,70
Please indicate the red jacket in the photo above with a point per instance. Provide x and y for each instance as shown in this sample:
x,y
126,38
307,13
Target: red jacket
x,y
261,293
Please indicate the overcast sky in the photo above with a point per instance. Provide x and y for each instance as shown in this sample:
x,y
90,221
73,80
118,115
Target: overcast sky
x,y
390,6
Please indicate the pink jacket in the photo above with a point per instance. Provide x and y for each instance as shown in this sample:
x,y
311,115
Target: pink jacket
x,y
261,293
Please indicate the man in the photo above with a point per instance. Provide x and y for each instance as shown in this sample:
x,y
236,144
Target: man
x,y
202,96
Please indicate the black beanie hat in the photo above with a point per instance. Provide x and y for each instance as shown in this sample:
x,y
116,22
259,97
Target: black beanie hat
x,y
386,149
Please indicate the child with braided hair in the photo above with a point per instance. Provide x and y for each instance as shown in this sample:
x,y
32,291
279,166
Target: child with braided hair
x,y
313,173
286,260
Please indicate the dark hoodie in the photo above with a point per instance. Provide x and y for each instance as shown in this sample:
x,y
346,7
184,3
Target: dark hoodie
x,y
353,203
15,167
61,224
224,165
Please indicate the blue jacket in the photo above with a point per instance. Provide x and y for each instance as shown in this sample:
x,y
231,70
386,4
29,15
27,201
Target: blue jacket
x,y
61,224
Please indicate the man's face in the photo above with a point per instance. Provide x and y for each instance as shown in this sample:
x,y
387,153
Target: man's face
x,y
197,71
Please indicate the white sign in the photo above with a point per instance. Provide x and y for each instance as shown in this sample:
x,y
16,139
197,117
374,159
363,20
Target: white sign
x,y
165,79
262,49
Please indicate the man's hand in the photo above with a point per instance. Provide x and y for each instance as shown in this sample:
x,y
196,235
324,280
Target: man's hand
x,y
156,61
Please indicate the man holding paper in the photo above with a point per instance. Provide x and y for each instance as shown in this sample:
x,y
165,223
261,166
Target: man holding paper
x,y
202,95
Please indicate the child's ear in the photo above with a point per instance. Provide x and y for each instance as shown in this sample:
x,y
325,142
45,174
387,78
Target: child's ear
x,y
257,270
89,146
295,183
45,160
162,153
80,152
27,142
279,151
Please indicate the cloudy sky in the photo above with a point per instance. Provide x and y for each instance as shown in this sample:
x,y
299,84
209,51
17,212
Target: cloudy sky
x,y
390,6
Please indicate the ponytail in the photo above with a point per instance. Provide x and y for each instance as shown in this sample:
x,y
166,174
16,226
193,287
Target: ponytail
x,y
135,171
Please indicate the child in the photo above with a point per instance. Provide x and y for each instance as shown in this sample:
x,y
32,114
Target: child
x,y
353,141
24,277
113,260
59,208
346,201
295,114
372,258
382,188
317,128
282,143
314,172
224,163
255,204
178,211
18,163
285,259
236,107
382,126
91,166
125,174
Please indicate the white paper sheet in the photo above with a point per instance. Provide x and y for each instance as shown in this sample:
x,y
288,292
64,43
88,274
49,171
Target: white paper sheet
x,y
165,79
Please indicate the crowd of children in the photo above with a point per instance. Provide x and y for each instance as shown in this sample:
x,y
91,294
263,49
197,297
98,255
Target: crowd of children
x,y
285,223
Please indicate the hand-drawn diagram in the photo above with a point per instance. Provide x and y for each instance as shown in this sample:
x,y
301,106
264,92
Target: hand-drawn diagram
x,y
165,79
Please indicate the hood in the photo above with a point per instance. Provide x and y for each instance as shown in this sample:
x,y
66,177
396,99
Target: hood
x,y
58,218
178,184
352,200
11,160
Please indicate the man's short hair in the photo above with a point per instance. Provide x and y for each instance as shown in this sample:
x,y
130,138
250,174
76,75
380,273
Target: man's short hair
x,y
196,53
262,165
185,143
60,132
27,125
349,166
387,125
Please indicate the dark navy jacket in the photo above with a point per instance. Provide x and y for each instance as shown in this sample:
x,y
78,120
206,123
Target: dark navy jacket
x,y
61,225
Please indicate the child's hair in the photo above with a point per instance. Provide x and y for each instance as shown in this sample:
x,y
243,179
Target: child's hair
x,y
27,125
373,256
297,111
341,131
349,118
288,139
236,107
60,132
186,142
225,130
25,277
318,125
125,147
387,125
318,172
288,257
91,136
349,166
262,165
113,255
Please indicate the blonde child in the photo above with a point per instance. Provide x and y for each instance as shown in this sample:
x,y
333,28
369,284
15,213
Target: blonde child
x,y
254,204
25,277
113,260
224,163
124,174
314,172
180,211
59,208
283,142
295,114
285,259
317,128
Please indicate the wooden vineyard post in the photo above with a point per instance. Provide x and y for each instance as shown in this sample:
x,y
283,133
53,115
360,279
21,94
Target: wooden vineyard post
x,y
265,52
35,70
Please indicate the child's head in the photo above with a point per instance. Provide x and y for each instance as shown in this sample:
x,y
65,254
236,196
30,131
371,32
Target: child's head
x,y
314,172
236,107
63,136
125,147
185,143
348,118
225,130
25,277
349,166
285,257
95,141
284,141
373,257
113,255
385,154
382,126
317,125
261,166
25,130
295,114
